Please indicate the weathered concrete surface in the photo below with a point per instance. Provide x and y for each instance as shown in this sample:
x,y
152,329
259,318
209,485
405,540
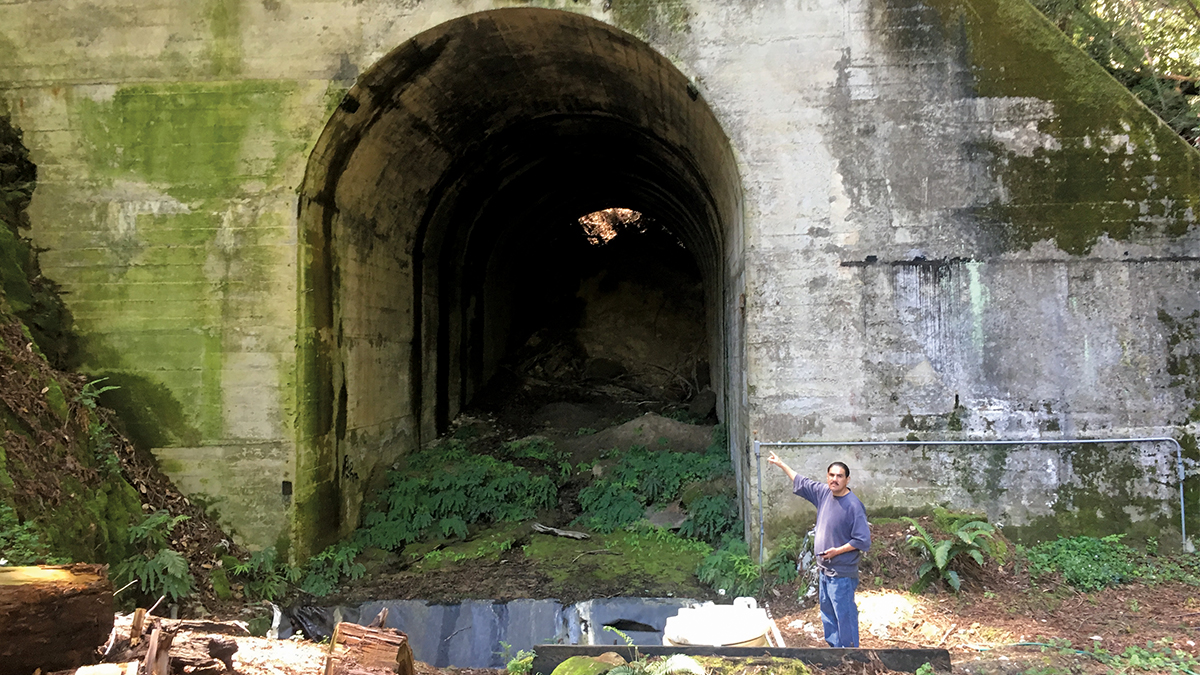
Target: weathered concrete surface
x,y
934,219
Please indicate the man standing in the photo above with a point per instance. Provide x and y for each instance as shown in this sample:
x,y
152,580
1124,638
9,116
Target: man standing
x,y
842,537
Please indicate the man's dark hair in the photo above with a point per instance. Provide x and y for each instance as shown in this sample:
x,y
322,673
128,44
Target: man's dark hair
x,y
841,464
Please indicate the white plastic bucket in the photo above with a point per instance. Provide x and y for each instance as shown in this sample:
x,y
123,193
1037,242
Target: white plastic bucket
x,y
741,624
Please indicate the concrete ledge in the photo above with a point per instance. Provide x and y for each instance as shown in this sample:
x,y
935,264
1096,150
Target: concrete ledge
x,y
905,660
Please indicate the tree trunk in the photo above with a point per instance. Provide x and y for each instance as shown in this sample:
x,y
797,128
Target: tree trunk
x,y
359,650
53,618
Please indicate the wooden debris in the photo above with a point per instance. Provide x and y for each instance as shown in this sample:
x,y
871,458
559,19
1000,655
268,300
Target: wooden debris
x,y
223,649
359,650
135,629
53,617
192,649
538,527
380,619
158,655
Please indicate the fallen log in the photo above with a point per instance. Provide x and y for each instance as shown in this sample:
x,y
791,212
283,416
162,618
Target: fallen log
x,y
53,617
361,650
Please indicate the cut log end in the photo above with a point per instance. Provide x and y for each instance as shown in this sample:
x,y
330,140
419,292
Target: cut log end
x,y
53,617
362,650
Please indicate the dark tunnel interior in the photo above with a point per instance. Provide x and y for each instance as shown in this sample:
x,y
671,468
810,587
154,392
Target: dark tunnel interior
x,y
441,242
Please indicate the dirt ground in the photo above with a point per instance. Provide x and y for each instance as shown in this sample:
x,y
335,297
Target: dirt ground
x,y
982,626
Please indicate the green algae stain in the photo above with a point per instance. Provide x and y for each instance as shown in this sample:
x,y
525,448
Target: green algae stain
x,y
1183,357
196,140
1108,166
1109,495
649,18
225,21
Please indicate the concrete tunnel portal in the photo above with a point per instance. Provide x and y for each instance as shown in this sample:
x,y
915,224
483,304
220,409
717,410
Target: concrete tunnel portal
x,y
439,225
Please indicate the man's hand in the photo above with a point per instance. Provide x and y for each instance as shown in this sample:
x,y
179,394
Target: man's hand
x,y
830,553
774,459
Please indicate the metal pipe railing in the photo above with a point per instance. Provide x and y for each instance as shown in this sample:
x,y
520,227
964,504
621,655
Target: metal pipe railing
x,y
759,445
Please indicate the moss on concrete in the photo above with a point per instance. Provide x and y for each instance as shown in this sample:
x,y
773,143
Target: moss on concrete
x,y
1114,168
154,418
1183,357
192,139
640,563
225,23
718,665
650,18
1112,501
176,264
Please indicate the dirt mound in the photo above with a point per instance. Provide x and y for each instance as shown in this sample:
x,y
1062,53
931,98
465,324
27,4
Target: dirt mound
x,y
653,431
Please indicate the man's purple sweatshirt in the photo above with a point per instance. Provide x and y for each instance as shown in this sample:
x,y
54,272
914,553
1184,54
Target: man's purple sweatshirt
x,y
840,520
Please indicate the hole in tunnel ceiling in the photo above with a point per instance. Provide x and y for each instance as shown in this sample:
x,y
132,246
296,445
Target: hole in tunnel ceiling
x,y
604,225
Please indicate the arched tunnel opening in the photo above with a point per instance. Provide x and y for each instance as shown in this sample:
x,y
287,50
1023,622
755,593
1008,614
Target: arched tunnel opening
x,y
501,184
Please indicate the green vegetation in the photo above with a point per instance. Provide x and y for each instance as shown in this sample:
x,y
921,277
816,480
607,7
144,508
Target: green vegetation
x,y
643,665
519,664
640,478
1157,657
968,535
1087,563
157,568
452,503
446,489
783,564
327,568
264,576
731,569
1153,48
23,543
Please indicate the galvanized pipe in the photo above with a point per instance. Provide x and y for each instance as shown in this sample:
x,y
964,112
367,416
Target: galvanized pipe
x,y
758,446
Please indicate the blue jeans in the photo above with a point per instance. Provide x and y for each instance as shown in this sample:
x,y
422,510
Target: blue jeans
x,y
839,614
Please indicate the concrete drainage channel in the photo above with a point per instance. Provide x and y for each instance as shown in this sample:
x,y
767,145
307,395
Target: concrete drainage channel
x,y
473,633
485,634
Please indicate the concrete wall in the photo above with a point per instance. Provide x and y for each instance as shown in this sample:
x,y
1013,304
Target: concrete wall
x,y
949,223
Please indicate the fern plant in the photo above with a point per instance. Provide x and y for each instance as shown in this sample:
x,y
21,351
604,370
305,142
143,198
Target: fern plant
x,y
711,518
974,538
609,506
445,492
265,577
157,569
22,543
731,569
327,568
